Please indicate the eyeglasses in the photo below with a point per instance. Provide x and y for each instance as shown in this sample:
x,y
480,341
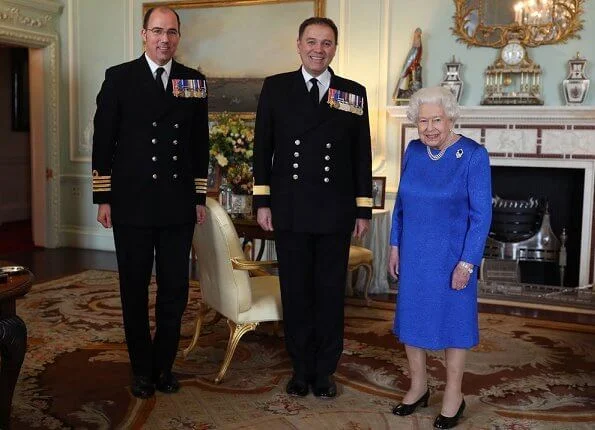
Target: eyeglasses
x,y
158,31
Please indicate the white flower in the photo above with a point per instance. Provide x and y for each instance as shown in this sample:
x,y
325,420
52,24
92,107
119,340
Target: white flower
x,y
221,160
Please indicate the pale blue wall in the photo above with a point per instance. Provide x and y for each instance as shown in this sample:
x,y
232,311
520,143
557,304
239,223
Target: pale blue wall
x,y
434,17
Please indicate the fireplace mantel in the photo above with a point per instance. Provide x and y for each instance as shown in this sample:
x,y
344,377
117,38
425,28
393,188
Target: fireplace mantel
x,y
534,114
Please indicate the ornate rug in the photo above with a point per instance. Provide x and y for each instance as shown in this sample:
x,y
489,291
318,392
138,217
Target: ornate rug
x,y
525,374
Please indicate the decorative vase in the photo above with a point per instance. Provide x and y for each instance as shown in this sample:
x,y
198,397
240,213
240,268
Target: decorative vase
x,y
452,78
576,84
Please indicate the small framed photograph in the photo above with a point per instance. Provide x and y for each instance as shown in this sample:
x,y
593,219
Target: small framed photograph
x,y
378,191
214,178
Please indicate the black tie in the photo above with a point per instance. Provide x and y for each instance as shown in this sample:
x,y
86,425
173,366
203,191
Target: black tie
x,y
158,79
314,92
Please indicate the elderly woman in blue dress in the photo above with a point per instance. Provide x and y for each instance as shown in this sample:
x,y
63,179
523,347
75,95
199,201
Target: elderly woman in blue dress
x,y
440,223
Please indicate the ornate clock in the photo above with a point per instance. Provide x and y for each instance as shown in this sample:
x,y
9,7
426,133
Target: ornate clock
x,y
513,79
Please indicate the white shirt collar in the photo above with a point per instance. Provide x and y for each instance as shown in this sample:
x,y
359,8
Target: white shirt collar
x,y
153,65
324,79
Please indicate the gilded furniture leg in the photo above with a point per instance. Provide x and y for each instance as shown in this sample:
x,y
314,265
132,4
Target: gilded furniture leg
x,y
369,273
204,309
236,331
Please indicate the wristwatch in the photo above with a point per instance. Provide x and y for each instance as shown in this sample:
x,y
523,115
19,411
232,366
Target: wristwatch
x,y
467,266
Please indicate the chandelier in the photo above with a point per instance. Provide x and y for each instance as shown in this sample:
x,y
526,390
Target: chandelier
x,y
533,12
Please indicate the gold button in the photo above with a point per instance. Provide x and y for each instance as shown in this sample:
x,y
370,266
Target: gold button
x,y
326,179
176,125
154,175
296,154
175,176
327,168
297,142
175,158
154,124
153,141
328,145
296,165
175,141
295,176
154,158
327,157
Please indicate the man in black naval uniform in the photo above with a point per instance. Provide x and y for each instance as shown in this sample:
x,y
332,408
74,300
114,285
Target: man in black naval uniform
x,y
313,187
150,161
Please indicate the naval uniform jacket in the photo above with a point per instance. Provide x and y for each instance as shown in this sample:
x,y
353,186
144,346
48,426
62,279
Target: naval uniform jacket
x,y
150,149
312,165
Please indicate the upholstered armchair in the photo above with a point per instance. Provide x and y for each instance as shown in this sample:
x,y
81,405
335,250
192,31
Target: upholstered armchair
x,y
226,285
364,258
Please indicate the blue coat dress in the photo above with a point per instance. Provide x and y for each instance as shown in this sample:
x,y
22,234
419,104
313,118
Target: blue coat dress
x,y
442,215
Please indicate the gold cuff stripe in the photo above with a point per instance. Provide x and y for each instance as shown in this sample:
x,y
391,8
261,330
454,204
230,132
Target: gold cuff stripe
x,y
261,190
199,180
364,202
101,190
201,191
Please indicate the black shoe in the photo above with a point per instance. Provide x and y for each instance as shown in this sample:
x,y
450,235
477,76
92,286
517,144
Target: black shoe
x,y
297,386
404,409
142,387
442,422
325,387
167,383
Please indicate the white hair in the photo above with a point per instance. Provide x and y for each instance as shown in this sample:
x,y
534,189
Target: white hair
x,y
433,95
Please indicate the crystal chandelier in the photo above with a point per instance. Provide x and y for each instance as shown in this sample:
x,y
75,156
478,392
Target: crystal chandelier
x,y
533,12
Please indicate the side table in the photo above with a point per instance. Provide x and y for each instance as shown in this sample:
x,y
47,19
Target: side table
x,y
13,338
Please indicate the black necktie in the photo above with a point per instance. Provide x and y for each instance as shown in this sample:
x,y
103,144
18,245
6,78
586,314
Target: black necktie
x,y
314,92
158,79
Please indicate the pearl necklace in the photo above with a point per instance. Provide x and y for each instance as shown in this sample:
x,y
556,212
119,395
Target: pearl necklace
x,y
438,156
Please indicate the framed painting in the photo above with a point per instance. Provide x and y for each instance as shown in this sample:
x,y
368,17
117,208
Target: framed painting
x,y
237,43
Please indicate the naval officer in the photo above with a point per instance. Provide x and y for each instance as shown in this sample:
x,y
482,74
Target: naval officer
x,y
150,158
313,187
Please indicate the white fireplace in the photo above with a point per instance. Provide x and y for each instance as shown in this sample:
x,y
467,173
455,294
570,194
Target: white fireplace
x,y
533,136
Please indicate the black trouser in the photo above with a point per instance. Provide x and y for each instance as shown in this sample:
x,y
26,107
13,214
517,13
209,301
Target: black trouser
x,y
312,271
136,248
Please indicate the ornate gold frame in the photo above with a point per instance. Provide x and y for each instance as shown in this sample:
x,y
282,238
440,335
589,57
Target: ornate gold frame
x,y
319,5
496,36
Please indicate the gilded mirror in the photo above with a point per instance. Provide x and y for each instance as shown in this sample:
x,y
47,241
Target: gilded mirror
x,y
538,22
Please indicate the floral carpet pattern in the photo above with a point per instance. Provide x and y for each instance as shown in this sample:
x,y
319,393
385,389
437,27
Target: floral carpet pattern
x,y
525,374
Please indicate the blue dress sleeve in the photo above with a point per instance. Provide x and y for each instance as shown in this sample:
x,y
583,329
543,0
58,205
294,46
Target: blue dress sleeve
x,y
479,189
397,221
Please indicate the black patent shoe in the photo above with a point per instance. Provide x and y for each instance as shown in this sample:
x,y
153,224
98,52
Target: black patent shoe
x,y
167,383
404,409
142,387
325,387
297,387
442,422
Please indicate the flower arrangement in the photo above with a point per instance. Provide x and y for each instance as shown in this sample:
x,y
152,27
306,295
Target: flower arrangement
x,y
231,140
232,148
240,178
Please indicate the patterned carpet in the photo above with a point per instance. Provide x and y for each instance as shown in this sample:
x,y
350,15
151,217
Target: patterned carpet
x,y
525,374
